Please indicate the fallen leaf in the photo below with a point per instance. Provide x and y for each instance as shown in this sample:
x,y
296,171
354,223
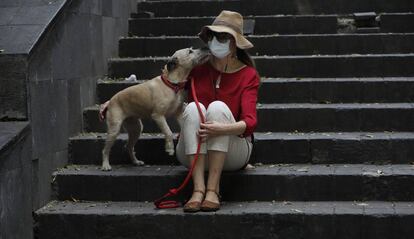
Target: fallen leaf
x,y
249,166
369,135
284,164
373,174
302,170
53,178
297,210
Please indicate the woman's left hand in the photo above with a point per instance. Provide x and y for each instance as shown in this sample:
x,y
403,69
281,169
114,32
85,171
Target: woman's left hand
x,y
212,128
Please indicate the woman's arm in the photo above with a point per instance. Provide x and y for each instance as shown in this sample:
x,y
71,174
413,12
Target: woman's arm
x,y
248,104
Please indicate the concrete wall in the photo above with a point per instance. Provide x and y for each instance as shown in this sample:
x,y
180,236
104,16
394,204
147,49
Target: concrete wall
x,y
13,71
15,181
62,76
52,54
22,24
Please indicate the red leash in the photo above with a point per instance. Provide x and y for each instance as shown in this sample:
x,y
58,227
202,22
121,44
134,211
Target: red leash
x,y
161,203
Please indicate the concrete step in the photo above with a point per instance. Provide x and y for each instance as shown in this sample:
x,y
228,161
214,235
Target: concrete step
x,y
379,65
271,45
305,117
297,182
282,220
397,22
267,7
276,24
285,147
336,117
310,90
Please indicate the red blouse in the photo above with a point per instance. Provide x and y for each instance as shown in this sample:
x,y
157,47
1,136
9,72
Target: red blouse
x,y
238,90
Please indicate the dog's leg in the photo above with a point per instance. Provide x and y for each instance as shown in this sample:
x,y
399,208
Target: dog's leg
x,y
165,129
134,128
179,115
114,123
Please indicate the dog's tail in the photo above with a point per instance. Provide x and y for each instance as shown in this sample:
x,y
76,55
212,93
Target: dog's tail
x,y
102,111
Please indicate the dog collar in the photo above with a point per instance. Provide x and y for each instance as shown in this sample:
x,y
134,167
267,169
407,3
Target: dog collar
x,y
175,87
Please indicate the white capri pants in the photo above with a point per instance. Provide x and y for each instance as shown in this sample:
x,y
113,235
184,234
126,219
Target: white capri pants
x,y
238,149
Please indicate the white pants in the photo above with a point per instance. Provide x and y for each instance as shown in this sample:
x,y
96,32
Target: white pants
x,y
238,149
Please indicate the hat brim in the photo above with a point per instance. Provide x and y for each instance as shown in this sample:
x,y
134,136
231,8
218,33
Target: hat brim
x,y
241,41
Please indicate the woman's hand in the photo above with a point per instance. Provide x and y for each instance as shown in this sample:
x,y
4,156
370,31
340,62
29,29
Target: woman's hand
x,y
213,128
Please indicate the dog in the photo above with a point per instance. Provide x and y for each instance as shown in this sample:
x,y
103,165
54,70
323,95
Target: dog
x,y
157,98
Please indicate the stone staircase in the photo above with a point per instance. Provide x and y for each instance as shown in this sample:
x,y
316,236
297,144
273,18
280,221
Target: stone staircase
x,y
334,145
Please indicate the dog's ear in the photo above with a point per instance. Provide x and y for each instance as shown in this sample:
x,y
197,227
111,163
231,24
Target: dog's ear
x,y
172,63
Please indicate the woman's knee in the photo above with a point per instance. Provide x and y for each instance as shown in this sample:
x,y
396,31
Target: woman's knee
x,y
217,110
191,111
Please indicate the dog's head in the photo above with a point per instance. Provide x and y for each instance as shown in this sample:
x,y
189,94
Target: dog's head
x,y
184,60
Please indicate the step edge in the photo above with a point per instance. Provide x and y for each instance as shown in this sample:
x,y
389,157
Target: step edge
x,y
270,57
357,135
391,208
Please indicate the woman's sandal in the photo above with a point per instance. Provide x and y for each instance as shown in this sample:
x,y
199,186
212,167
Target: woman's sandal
x,y
209,206
193,206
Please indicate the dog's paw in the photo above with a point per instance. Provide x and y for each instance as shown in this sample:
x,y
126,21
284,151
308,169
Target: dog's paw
x,y
170,151
106,167
138,162
169,148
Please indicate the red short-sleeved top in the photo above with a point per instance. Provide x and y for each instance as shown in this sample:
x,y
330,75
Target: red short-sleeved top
x,y
238,90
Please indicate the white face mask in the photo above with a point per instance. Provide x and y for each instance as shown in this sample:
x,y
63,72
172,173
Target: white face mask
x,y
218,49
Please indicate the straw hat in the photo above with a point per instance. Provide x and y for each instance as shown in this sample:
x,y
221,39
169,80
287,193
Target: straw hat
x,y
229,22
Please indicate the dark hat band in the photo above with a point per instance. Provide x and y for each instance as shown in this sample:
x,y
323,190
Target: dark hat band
x,y
223,23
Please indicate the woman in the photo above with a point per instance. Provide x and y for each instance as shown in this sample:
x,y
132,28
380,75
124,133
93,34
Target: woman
x,y
227,88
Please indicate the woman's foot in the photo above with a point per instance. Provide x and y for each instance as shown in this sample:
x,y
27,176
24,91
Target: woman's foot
x,y
211,202
194,204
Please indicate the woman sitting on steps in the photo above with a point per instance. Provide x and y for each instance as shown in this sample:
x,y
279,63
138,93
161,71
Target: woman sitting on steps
x,y
227,88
